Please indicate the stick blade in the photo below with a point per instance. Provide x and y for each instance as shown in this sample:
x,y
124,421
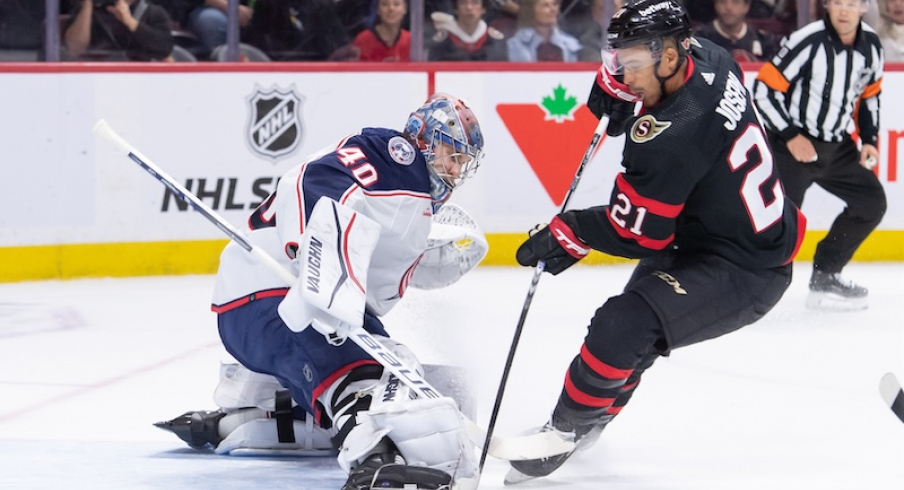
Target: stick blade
x,y
532,446
890,389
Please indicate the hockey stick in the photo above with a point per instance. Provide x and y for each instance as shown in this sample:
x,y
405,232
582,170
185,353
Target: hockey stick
x,y
524,447
591,150
364,339
891,392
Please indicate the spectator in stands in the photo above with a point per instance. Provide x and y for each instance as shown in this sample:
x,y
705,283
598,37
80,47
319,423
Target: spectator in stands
x,y
466,36
731,31
207,20
296,30
590,32
136,30
538,37
574,16
890,27
503,16
703,11
386,40
353,14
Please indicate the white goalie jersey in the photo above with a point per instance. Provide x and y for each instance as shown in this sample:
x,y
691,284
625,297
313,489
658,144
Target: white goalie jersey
x,y
378,175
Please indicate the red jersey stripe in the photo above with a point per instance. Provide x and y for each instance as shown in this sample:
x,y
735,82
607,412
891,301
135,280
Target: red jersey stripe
x,y
656,207
801,231
641,240
244,300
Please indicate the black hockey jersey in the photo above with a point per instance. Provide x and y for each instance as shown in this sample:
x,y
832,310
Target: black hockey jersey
x,y
699,177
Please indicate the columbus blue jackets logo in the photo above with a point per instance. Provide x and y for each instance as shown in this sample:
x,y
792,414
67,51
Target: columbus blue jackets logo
x,y
274,128
401,150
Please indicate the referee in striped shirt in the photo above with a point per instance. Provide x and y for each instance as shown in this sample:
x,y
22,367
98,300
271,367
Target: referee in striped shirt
x,y
824,82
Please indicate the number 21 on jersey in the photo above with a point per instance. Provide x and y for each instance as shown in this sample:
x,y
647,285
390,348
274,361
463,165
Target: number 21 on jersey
x,y
756,174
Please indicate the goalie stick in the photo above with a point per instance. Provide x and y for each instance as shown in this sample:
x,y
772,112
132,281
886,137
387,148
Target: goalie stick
x,y
358,335
535,439
525,447
891,392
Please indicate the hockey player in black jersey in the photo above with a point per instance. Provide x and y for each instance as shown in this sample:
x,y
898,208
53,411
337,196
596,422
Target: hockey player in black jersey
x,y
699,203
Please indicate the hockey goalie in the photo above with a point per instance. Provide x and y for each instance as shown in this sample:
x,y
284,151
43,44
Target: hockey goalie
x,y
357,223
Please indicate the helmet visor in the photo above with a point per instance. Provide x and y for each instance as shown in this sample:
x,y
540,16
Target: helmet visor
x,y
631,59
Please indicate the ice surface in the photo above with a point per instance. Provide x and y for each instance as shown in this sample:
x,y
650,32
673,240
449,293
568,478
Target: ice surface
x,y
791,402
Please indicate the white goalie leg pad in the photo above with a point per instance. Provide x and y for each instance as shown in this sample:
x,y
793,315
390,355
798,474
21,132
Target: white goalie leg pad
x,y
240,387
454,247
260,437
333,259
428,432
382,388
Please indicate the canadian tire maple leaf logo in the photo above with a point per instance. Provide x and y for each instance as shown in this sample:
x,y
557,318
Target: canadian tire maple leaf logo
x,y
553,136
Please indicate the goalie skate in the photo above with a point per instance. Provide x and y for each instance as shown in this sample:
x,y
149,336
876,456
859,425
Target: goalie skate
x,y
198,429
250,433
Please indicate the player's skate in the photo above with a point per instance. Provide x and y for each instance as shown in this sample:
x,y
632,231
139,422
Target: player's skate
x,y
386,468
583,435
251,432
830,291
199,429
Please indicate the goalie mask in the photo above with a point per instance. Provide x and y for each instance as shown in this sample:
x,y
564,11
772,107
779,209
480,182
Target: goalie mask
x,y
446,120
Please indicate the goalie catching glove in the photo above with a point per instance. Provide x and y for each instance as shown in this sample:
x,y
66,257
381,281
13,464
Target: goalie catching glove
x,y
455,246
556,245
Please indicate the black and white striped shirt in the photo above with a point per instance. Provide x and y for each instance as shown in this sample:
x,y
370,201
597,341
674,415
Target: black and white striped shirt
x,y
819,86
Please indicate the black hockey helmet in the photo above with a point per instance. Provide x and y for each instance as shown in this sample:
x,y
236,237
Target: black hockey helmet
x,y
646,22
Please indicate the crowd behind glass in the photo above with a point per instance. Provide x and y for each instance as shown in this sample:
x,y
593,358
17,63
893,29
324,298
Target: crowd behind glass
x,y
384,30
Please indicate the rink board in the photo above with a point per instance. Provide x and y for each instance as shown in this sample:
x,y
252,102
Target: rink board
x,y
73,207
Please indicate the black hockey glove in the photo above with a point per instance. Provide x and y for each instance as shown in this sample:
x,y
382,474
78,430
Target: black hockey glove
x,y
611,97
556,245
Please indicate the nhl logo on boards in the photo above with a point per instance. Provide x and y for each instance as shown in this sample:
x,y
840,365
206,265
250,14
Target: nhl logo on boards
x,y
274,127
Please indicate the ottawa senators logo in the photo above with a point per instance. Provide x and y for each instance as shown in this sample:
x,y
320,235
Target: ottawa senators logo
x,y
647,128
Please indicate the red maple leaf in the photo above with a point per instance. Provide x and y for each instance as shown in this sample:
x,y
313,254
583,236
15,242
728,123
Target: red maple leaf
x,y
553,149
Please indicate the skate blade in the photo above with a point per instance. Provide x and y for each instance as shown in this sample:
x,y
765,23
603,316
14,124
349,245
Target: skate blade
x,y
181,431
834,302
513,477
